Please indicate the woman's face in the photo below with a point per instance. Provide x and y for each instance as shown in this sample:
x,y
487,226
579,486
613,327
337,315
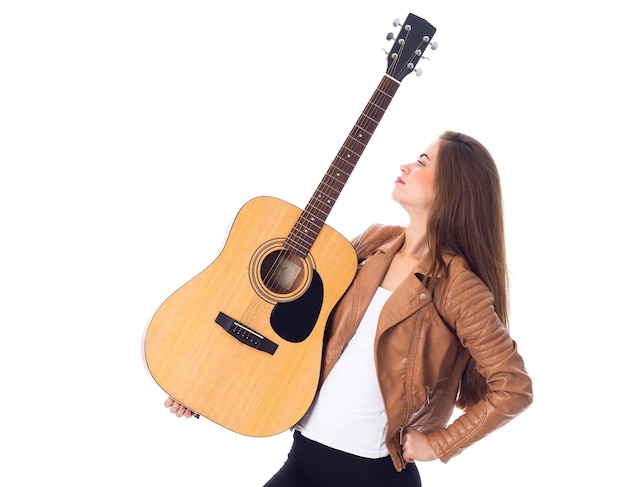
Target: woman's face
x,y
415,187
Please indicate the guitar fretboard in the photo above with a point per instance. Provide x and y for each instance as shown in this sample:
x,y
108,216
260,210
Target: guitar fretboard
x,y
309,224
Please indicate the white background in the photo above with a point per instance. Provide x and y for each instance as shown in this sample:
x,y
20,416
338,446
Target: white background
x,y
132,131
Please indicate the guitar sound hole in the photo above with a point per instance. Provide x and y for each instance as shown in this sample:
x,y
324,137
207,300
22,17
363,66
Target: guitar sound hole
x,y
281,272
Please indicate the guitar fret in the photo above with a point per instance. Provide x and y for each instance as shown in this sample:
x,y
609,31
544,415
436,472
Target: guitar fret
x,y
304,240
329,185
328,202
350,153
368,124
302,247
348,157
374,113
360,135
319,214
362,129
358,139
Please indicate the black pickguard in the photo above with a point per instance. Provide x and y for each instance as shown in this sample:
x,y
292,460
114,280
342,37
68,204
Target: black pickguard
x,y
295,320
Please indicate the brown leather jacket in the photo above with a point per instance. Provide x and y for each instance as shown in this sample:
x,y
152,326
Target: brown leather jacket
x,y
423,344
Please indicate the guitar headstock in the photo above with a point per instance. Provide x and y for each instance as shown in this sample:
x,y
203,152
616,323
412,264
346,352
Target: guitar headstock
x,y
411,42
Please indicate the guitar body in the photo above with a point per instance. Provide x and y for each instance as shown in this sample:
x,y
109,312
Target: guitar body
x,y
241,342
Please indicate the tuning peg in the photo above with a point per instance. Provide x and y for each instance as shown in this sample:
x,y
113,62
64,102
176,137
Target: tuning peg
x,y
433,45
396,23
417,71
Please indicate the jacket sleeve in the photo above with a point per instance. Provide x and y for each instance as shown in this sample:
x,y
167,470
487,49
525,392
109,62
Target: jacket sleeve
x,y
467,305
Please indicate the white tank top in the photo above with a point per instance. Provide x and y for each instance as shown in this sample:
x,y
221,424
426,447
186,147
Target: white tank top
x,y
348,413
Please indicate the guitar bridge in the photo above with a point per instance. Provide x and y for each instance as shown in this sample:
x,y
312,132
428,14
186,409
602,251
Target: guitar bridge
x,y
245,335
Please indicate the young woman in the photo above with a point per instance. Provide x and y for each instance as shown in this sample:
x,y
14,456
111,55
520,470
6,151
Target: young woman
x,y
423,328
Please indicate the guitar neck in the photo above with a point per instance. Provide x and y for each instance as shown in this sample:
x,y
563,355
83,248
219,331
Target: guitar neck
x,y
309,224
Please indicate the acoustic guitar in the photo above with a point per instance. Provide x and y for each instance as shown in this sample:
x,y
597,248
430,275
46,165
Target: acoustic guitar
x,y
241,342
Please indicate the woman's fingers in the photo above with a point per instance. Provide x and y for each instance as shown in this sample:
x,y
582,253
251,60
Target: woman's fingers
x,y
178,409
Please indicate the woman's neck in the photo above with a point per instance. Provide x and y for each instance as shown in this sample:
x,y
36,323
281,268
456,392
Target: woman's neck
x,y
415,241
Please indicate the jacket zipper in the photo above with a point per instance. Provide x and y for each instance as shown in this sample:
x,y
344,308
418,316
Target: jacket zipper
x,y
408,400
405,425
428,397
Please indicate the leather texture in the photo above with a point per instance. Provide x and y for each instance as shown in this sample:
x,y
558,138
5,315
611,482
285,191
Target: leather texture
x,y
424,343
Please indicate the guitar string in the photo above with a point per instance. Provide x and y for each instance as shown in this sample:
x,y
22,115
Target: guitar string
x,y
366,123
337,176
391,69
316,206
318,209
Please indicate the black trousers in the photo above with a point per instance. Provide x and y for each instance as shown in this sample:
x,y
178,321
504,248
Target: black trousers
x,y
311,464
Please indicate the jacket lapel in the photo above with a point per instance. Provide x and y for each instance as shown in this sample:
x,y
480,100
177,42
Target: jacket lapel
x,y
407,298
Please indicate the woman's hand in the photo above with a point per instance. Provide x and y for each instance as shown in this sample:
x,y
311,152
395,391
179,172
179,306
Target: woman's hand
x,y
178,409
415,447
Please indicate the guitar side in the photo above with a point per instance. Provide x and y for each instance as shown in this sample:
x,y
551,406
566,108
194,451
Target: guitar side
x,y
227,377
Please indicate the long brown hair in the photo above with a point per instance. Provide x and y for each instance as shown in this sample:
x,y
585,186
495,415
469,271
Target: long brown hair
x,y
467,220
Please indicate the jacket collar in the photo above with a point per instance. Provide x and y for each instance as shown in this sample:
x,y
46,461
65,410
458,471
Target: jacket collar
x,y
391,246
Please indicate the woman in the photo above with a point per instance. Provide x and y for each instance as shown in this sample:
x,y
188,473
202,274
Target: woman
x,y
422,329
